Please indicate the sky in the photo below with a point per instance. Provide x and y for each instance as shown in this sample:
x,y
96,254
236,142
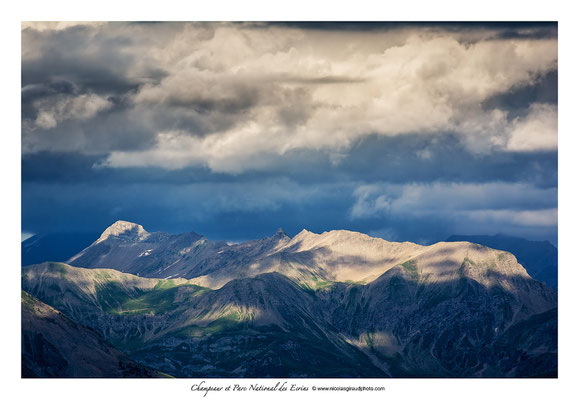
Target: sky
x,y
405,131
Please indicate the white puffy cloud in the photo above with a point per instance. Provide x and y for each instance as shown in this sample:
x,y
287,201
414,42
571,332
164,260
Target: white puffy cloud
x,y
297,91
536,131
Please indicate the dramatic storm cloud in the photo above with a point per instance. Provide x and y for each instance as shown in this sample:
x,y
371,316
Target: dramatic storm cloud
x,y
406,131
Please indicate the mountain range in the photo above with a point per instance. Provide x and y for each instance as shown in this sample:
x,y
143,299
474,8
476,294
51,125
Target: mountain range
x,y
336,304
539,258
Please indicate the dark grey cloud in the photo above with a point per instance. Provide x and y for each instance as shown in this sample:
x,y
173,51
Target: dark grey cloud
x,y
34,92
65,192
226,211
114,128
89,57
527,30
61,68
415,158
517,99
59,167
242,211
401,159
505,29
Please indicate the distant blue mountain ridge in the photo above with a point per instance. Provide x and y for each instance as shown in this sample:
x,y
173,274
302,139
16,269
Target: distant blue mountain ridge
x,y
55,246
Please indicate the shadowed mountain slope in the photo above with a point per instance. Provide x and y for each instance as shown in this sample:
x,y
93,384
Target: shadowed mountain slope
x,y
53,346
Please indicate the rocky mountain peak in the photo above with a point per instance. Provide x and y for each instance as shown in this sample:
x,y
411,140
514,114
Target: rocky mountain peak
x,y
304,234
124,230
280,234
